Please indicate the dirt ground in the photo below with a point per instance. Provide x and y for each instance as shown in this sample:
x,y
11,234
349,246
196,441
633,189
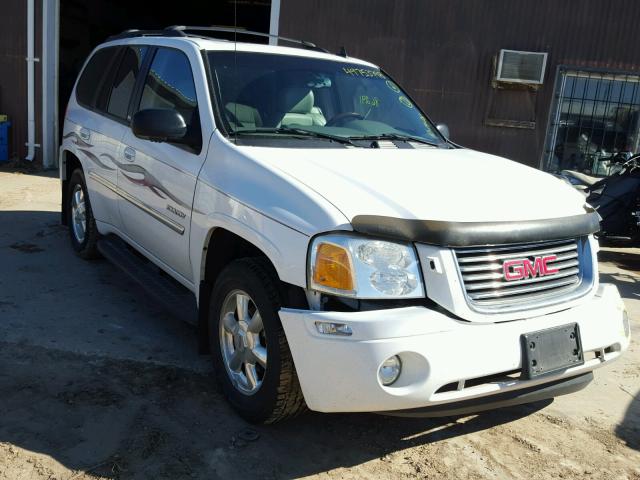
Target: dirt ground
x,y
97,382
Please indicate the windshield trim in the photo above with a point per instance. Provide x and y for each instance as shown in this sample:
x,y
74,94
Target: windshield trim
x,y
294,131
218,118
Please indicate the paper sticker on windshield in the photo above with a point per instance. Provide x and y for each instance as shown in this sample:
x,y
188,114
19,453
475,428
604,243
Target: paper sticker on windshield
x,y
392,86
405,101
371,101
363,72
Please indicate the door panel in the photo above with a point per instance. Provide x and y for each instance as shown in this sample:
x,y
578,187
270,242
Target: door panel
x,y
96,137
99,143
156,210
158,179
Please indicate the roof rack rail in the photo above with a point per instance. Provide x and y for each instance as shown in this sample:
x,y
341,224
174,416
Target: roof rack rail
x,y
133,32
184,29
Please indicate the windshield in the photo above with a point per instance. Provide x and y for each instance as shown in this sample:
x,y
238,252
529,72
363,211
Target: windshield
x,y
282,95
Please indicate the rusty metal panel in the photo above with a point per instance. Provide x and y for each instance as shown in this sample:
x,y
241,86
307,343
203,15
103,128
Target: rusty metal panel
x,y
444,53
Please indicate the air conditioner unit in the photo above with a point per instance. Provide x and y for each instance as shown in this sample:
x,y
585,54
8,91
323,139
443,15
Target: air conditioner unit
x,y
521,67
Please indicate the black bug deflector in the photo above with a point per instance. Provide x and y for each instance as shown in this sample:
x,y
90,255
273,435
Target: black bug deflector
x,y
472,234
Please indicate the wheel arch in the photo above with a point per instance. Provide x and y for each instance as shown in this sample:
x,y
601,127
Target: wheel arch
x,y
222,247
69,162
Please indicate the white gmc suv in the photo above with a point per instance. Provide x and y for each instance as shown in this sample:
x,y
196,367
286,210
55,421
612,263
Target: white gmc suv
x,y
344,255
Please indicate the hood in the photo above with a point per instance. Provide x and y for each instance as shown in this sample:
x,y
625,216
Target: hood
x,y
456,185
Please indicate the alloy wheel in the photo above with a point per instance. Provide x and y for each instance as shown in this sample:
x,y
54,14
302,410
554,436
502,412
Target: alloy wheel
x,y
243,342
78,214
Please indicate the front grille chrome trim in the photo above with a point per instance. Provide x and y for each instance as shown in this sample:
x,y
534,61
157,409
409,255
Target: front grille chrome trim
x,y
480,271
504,285
518,246
479,286
497,266
527,253
526,289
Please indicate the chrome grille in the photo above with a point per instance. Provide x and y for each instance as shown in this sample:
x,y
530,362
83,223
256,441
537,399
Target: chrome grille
x,y
481,271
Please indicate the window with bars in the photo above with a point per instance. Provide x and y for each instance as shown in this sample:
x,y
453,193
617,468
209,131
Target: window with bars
x,y
594,121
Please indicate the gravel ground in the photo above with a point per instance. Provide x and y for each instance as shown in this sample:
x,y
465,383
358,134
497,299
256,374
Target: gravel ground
x,y
97,382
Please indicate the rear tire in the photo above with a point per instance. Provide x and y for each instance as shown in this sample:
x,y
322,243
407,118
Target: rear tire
x,y
252,360
82,226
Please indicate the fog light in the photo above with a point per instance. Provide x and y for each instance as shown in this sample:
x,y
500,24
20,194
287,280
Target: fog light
x,y
330,328
390,370
625,324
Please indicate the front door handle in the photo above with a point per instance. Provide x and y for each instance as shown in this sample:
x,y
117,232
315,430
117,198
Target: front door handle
x,y
130,154
85,134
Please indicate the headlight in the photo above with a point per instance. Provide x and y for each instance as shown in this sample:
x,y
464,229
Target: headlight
x,y
352,266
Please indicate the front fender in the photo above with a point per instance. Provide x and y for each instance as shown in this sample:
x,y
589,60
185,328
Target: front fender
x,y
284,246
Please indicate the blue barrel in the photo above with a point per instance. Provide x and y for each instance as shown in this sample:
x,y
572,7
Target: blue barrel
x,y
4,141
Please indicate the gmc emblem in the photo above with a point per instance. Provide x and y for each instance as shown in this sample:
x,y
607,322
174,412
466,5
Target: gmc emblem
x,y
524,268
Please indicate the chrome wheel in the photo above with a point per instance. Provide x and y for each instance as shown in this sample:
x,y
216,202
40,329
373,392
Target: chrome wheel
x,y
243,342
78,214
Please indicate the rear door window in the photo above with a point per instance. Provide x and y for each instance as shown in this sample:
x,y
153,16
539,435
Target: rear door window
x,y
125,81
94,83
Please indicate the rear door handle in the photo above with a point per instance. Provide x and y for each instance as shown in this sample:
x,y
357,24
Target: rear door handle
x,y
130,154
85,134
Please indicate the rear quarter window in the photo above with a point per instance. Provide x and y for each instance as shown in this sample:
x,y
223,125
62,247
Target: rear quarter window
x,y
91,91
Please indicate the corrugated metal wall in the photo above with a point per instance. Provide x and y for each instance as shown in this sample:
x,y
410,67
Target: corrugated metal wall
x,y
13,71
443,52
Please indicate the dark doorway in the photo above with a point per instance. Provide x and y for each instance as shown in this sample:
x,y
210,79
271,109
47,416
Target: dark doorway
x,y
83,25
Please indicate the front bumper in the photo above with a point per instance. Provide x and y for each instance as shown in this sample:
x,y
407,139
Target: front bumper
x,y
339,374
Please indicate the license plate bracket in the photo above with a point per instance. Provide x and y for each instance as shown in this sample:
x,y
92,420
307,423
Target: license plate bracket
x,y
551,350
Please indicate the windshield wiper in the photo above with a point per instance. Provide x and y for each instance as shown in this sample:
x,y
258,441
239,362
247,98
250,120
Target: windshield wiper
x,y
296,131
396,136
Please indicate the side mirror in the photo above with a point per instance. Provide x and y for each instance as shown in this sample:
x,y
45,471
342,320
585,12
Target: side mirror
x,y
444,130
159,125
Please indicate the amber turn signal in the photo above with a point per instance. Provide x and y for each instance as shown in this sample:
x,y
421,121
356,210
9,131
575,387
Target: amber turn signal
x,y
332,267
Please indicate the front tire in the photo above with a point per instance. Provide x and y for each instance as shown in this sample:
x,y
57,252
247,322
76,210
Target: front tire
x,y
82,226
251,356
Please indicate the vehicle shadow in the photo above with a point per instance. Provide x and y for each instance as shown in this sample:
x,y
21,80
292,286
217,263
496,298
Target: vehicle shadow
x,y
629,429
626,260
21,167
627,284
95,378
93,307
346,440
118,419
628,263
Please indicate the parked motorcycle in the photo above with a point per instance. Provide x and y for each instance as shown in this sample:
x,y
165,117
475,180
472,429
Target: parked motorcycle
x,y
617,199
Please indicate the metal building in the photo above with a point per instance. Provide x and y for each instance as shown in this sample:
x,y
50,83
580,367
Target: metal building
x,y
52,38
447,53
551,84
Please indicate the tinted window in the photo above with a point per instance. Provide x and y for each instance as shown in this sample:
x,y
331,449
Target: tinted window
x,y
169,85
90,91
125,80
